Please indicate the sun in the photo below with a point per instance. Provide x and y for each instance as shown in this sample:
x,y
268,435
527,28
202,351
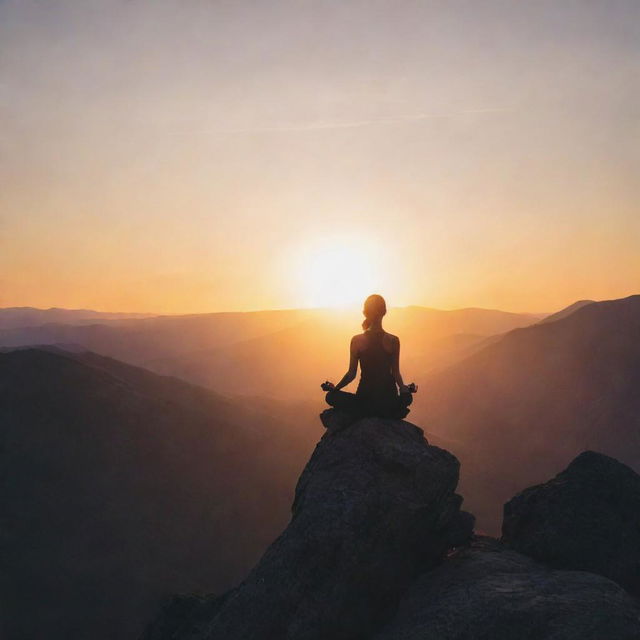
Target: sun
x,y
337,272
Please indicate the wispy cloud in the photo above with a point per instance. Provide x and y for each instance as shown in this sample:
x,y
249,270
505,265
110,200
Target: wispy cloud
x,y
348,124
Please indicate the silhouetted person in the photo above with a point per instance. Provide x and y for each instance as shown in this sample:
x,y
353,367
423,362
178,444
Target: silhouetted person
x,y
378,353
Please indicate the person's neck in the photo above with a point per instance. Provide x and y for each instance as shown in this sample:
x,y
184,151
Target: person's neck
x,y
375,326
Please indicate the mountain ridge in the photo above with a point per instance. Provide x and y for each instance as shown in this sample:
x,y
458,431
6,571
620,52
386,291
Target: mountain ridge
x,y
527,403
126,486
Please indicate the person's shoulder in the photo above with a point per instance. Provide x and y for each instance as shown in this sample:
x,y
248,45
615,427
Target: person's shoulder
x,y
392,341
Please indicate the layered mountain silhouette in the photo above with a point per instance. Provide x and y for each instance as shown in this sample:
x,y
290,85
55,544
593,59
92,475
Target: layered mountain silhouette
x,y
514,406
120,486
19,317
275,363
270,352
522,407
139,341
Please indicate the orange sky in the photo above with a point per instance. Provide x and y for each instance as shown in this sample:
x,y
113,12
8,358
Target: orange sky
x,y
191,156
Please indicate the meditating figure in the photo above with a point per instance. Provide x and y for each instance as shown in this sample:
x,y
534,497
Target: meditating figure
x,y
378,353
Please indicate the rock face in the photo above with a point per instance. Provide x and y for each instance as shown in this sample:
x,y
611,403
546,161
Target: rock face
x,y
587,518
488,592
374,507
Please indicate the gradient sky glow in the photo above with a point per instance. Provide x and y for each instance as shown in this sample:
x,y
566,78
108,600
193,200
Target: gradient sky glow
x,y
192,155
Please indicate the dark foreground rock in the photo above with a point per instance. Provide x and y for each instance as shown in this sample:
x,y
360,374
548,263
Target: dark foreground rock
x,y
488,592
587,518
375,506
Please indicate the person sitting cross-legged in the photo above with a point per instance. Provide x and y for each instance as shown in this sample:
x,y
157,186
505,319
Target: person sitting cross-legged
x,y
378,353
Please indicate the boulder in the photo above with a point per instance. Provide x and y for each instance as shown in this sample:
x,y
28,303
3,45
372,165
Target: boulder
x,y
489,592
374,507
587,518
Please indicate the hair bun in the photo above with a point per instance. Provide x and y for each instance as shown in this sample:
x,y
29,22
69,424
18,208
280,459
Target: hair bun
x,y
374,307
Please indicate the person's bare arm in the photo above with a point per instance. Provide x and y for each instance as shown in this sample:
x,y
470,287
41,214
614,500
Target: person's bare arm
x,y
353,365
395,365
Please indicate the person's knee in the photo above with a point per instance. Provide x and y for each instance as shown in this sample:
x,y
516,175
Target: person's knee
x,y
406,399
330,397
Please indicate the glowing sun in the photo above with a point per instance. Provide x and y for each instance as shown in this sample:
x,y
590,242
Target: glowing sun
x,y
335,273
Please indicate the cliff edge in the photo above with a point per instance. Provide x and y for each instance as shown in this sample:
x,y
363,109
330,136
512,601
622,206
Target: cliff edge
x,y
374,507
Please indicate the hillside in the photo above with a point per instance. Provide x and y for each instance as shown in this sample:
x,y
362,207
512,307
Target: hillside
x,y
567,311
121,486
523,406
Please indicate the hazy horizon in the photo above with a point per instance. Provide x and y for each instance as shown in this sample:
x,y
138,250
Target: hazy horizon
x,y
355,308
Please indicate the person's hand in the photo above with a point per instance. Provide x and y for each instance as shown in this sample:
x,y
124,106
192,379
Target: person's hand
x,y
327,386
409,388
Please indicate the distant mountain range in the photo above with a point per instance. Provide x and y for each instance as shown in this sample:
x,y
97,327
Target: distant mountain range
x,y
141,340
119,487
14,317
283,354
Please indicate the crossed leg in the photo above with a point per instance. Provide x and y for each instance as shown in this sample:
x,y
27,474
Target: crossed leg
x,y
344,400
351,403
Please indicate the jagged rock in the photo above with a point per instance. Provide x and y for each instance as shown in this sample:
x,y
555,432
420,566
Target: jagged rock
x,y
587,517
334,421
373,508
460,531
487,592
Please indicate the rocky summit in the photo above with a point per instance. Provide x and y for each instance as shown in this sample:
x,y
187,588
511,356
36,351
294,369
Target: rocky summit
x,y
374,507
378,549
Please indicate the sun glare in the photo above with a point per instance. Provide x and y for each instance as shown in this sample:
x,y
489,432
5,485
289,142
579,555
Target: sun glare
x,y
337,273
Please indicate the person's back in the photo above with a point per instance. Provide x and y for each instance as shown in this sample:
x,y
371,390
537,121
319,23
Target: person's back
x,y
377,389
378,353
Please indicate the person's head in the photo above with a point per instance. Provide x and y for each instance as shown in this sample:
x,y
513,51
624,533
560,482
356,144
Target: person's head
x,y
374,309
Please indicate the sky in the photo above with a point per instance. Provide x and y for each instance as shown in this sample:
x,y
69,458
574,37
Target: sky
x,y
177,156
